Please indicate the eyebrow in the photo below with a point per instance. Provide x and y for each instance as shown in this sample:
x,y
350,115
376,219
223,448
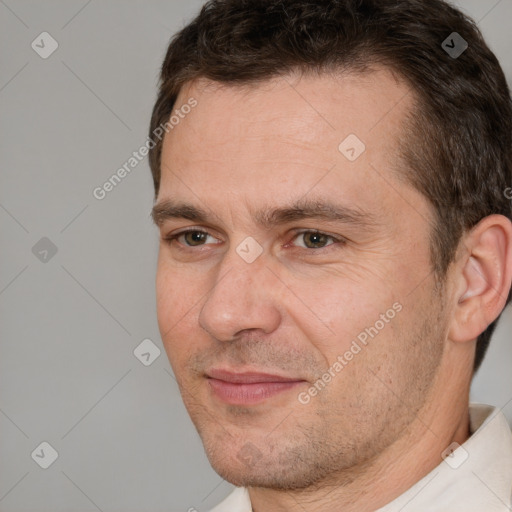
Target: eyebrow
x,y
269,217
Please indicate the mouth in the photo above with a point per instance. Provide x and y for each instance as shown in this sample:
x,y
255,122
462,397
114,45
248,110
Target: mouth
x,y
246,388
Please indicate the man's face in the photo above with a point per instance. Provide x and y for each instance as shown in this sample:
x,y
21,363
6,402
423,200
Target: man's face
x,y
254,315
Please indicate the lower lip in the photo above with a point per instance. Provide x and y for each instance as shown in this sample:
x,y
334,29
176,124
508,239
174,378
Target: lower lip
x,y
244,394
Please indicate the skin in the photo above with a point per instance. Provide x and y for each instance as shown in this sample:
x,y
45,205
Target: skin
x,y
383,421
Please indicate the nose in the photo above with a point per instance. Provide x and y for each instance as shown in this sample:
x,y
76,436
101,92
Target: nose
x,y
242,298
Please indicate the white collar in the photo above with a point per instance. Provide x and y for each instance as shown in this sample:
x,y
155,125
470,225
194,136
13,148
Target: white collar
x,y
476,478
481,476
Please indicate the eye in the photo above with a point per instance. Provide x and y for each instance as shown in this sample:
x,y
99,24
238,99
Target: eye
x,y
190,237
315,239
311,239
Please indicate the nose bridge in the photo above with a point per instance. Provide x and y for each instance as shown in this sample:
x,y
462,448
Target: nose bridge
x,y
241,297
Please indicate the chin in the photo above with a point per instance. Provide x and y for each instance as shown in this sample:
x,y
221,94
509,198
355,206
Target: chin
x,y
268,476
243,464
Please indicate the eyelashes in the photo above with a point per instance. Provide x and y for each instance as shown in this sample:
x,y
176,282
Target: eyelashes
x,y
312,235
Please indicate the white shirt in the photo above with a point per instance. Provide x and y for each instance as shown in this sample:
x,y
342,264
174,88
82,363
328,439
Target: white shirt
x,y
477,477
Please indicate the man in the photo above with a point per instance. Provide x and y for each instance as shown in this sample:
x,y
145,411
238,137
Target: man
x,y
336,248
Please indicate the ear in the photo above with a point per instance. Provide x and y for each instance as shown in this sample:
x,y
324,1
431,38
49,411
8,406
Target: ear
x,y
483,278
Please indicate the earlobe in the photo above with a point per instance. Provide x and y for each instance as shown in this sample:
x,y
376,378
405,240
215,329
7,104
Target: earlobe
x,y
485,278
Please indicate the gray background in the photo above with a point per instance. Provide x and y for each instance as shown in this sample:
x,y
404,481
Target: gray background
x,y
69,325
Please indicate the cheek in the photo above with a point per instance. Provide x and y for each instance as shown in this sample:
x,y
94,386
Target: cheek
x,y
166,299
177,296
334,310
177,290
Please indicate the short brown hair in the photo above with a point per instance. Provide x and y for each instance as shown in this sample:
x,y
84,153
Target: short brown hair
x,y
458,147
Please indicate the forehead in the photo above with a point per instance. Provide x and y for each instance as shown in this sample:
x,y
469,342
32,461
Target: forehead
x,y
342,100
286,134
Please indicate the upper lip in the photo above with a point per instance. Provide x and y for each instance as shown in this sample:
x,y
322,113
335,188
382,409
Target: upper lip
x,y
247,377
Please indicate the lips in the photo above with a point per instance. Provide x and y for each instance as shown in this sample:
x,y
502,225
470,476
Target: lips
x,y
245,388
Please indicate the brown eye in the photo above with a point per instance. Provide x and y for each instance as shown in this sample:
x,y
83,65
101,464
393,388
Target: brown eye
x,y
314,239
189,238
194,238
